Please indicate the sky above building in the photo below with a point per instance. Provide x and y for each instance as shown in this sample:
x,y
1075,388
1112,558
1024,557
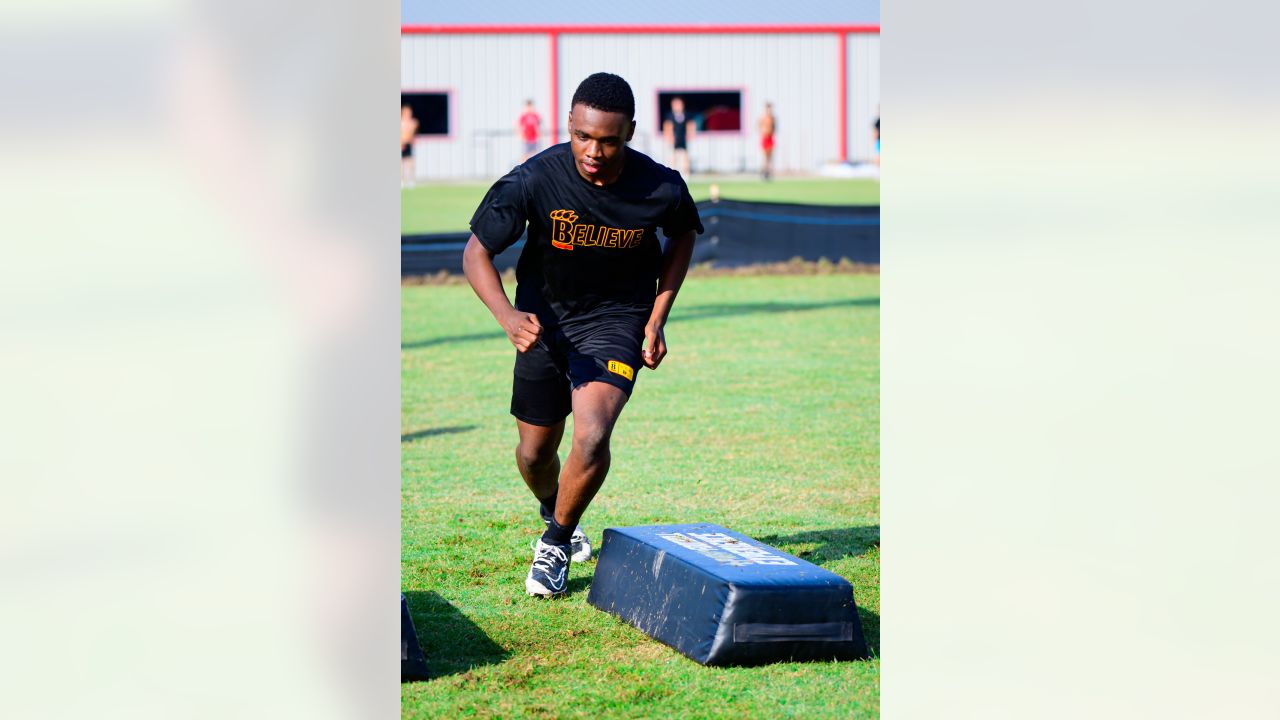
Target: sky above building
x,y
645,12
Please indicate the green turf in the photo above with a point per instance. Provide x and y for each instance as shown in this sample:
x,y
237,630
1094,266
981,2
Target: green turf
x,y
448,207
764,418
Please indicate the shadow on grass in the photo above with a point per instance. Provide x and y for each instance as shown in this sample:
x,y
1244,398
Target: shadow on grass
x,y
577,585
699,312
692,312
870,630
831,545
452,339
452,643
432,432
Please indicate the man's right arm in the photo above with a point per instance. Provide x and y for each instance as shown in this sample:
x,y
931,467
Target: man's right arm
x,y
522,328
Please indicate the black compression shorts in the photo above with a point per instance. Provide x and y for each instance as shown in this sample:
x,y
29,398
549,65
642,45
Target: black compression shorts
x,y
547,373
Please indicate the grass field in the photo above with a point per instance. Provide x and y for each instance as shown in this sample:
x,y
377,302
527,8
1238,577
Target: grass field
x,y
443,207
764,418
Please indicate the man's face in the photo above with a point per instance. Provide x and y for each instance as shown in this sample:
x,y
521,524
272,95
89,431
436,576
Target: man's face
x,y
598,140
677,106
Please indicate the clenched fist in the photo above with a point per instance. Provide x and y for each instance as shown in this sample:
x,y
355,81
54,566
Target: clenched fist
x,y
655,345
523,329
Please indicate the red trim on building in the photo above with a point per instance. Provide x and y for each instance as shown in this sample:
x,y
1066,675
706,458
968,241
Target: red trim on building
x,y
448,92
742,105
631,29
553,33
844,97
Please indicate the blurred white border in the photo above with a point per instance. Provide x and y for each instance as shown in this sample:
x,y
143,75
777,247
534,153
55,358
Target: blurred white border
x,y
200,462
1079,361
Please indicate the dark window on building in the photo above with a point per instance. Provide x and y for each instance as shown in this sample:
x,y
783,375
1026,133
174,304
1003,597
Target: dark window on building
x,y
711,110
431,109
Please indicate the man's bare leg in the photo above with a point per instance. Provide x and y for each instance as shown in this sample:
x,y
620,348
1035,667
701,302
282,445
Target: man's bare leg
x,y
538,458
596,407
682,163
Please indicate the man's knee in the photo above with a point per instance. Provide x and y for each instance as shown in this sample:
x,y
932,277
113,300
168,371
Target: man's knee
x,y
592,440
536,455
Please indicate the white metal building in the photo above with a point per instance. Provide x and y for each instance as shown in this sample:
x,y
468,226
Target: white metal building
x,y
822,79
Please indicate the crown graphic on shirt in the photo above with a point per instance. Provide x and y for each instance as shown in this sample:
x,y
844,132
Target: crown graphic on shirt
x,y
566,232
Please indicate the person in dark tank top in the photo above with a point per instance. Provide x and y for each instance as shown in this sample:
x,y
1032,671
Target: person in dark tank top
x,y
678,129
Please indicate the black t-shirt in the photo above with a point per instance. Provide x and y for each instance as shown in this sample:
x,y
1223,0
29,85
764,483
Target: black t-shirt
x,y
679,129
592,250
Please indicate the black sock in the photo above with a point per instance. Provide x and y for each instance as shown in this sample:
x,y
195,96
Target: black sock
x,y
548,505
557,534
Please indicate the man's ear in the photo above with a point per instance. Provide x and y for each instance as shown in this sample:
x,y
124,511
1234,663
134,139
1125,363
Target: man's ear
x,y
631,130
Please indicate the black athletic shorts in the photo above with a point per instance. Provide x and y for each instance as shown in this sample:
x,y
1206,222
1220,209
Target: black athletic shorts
x,y
546,374
406,151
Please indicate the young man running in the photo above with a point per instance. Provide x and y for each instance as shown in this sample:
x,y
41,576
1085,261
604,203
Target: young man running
x,y
594,288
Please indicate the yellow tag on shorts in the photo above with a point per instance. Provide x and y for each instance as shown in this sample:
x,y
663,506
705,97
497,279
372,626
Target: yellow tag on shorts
x,y
622,369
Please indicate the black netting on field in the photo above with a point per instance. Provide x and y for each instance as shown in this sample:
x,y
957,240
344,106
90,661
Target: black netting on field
x,y
737,233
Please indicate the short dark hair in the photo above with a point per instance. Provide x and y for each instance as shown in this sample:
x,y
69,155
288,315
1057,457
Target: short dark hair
x,y
607,92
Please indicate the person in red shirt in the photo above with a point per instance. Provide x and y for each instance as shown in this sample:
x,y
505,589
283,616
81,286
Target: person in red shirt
x,y
528,126
768,125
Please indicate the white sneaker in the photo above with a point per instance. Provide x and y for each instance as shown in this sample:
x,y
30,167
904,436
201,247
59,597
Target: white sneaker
x,y
549,574
581,546
581,551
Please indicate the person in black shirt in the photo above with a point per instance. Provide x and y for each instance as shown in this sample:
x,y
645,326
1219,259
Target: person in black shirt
x,y
678,129
594,288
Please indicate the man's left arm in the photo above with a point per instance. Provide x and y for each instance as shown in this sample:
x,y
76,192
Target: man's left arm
x,y
675,263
